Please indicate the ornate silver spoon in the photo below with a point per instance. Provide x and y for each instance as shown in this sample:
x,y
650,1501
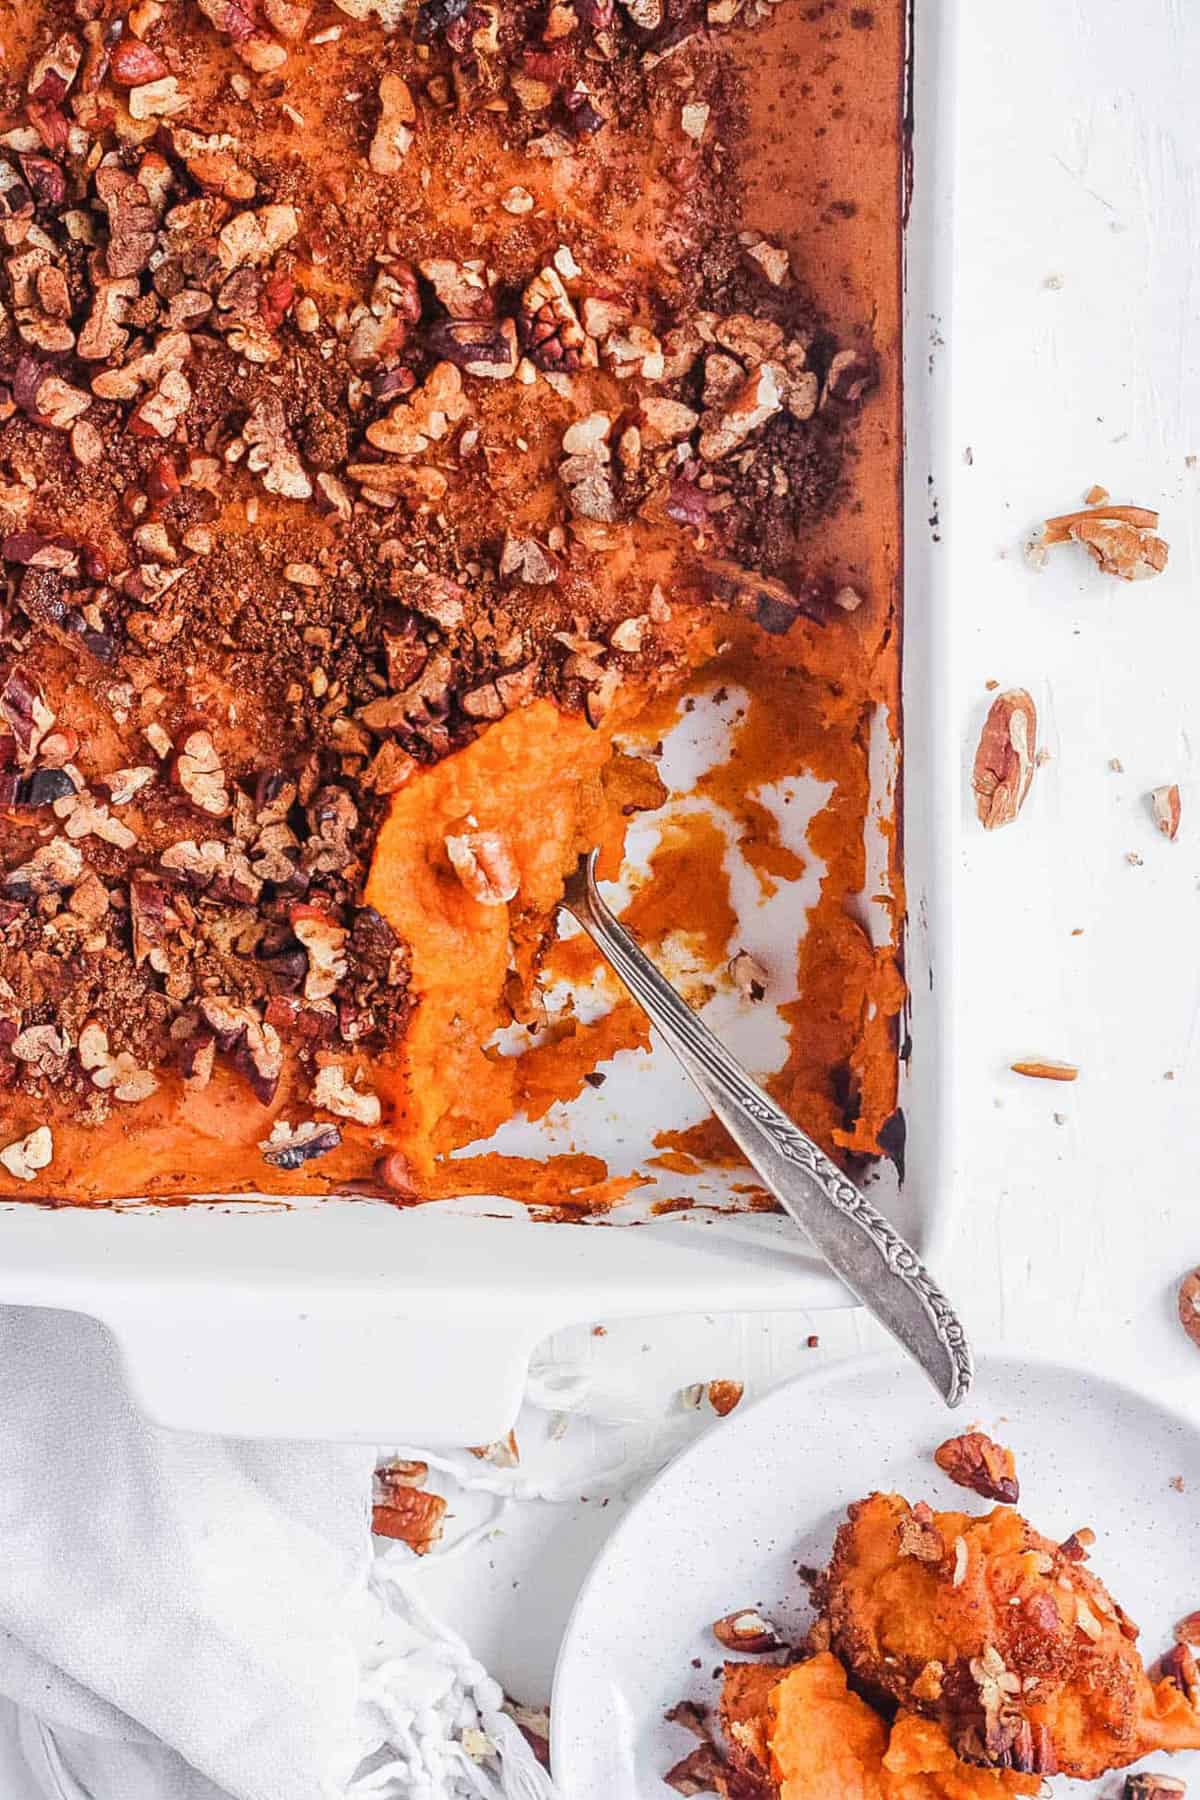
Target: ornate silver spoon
x,y
860,1246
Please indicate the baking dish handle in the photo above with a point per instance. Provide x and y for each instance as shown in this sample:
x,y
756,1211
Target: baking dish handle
x,y
357,1380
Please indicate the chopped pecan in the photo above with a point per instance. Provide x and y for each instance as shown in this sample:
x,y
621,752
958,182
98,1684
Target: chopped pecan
x,y
1045,1070
336,1094
1189,1305
723,1396
272,453
551,332
411,1515
1165,805
976,1461
119,1074
252,238
324,942
484,865
1151,1785
919,1537
27,1155
1120,540
524,558
394,129
23,709
1179,1666
480,347
747,1631
702,1771
1005,759
132,220
132,63
201,776
755,400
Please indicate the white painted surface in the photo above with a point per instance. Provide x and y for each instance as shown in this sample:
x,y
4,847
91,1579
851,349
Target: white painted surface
x,y
1072,351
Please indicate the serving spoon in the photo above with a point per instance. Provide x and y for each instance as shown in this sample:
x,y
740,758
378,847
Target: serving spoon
x,y
861,1247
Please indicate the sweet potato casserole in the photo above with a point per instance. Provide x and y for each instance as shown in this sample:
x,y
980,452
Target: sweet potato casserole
x,y
405,409
953,1657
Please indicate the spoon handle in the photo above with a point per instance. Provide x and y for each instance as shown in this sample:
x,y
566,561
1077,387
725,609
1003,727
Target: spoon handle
x,y
857,1242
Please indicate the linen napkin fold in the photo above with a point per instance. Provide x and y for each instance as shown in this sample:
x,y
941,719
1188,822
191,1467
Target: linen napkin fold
x,y
191,1618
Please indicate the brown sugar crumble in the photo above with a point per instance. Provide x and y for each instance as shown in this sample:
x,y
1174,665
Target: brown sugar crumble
x,y
373,375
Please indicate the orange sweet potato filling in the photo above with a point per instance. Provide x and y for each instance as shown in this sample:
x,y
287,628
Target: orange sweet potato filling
x,y
820,1741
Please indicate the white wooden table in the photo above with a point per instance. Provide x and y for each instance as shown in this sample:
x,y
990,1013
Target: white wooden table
x,y
1074,350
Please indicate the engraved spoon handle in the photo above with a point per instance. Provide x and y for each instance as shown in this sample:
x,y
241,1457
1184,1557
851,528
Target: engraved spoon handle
x,y
857,1242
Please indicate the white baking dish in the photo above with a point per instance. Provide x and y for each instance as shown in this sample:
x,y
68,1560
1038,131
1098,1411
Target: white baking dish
x,y
355,1320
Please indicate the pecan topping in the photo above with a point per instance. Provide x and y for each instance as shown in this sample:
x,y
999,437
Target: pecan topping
x,y
484,865
201,776
272,453
27,1155
550,328
919,1537
393,132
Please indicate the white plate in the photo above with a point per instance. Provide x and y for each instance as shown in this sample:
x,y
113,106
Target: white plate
x,y
726,1524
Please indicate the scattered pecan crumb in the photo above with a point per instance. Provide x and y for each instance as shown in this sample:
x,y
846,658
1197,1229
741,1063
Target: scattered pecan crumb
x,y
503,1454
1045,1070
1165,806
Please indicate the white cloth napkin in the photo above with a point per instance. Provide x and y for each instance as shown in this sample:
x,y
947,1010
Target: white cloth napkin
x,y
191,1618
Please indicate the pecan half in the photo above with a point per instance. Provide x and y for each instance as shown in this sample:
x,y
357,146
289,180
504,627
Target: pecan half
x,y
976,1461
1005,759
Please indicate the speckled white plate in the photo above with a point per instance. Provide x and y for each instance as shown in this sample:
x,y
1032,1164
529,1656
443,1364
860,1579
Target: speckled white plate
x,y
726,1524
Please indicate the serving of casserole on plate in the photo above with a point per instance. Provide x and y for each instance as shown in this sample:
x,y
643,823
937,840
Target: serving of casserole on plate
x,y
437,438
